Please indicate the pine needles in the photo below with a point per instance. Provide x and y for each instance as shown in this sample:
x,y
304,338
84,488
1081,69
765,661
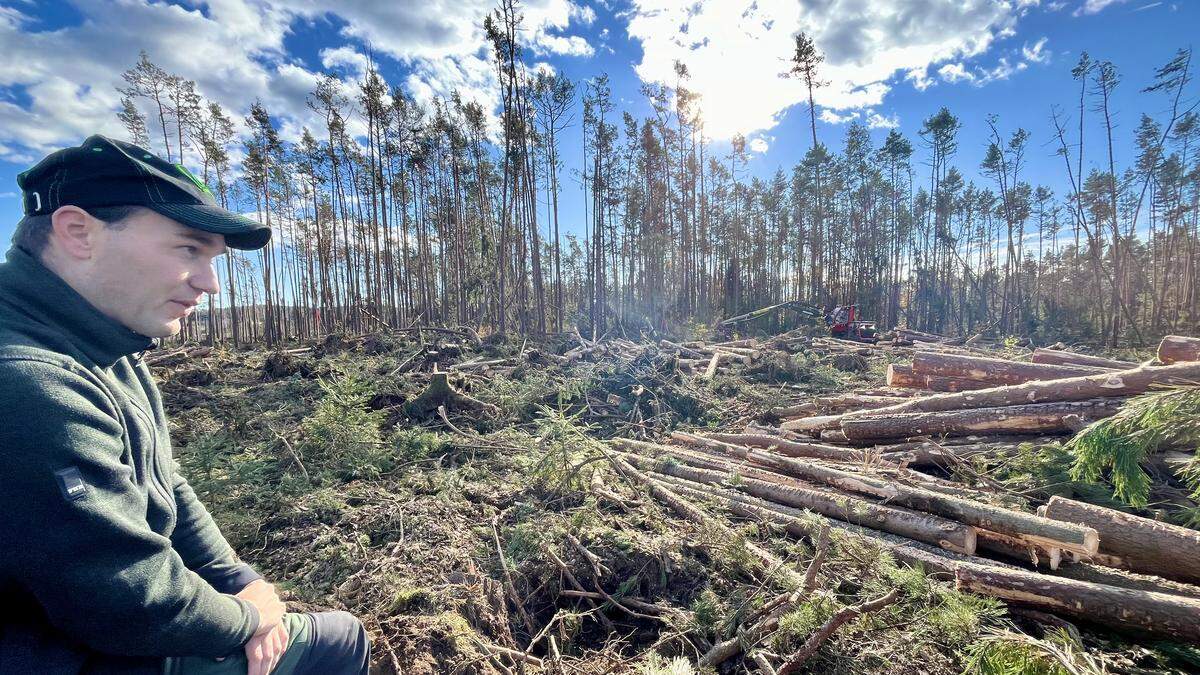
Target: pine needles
x,y
1115,448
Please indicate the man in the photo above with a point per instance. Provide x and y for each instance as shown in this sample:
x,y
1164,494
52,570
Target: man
x,y
108,562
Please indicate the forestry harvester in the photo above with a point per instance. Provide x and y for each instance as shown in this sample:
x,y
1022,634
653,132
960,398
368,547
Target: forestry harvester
x,y
843,323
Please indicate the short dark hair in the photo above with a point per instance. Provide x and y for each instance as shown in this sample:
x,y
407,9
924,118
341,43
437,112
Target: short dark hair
x,y
33,231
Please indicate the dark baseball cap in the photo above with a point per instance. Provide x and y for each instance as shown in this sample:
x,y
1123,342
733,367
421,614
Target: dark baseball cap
x,y
107,172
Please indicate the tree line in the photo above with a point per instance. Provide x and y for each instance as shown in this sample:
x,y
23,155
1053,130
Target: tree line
x,y
437,217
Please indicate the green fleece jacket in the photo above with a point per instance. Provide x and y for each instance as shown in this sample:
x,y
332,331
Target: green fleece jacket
x,y
104,549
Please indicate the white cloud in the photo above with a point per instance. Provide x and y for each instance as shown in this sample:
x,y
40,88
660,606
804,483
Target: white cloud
x,y
877,121
347,58
572,45
1002,71
235,54
1037,53
1095,6
738,52
583,14
758,145
920,78
955,72
831,117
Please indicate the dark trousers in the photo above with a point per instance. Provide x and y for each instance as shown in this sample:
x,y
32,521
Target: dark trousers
x,y
321,643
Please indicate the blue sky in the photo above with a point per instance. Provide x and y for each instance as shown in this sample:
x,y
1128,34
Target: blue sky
x,y
888,64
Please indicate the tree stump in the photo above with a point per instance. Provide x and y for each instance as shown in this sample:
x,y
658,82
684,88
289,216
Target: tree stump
x,y
439,393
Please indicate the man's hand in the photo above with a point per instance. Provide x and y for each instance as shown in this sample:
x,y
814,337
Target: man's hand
x,y
263,652
270,608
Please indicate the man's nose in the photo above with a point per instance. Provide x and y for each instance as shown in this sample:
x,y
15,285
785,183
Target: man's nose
x,y
205,279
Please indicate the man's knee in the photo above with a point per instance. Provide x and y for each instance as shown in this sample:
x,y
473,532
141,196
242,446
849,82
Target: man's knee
x,y
339,645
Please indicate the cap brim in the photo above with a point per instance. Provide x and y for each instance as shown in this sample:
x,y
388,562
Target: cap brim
x,y
239,232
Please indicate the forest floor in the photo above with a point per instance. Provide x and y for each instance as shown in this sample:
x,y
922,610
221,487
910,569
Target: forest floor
x,y
498,538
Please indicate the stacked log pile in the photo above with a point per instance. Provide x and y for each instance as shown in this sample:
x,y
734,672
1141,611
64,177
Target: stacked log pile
x,y
847,462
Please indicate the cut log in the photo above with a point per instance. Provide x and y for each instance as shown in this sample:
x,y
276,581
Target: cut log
x,y
1017,548
801,523
1038,418
923,527
937,383
844,402
780,445
1174,348
1097,574
1102,385
1174,616
1064,358
899,375
1135,543
999,371
812,424
1036,529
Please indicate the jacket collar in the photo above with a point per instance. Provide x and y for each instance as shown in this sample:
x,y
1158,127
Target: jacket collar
x,y
43,295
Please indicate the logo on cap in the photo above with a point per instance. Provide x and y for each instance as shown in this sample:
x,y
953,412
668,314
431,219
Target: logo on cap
x,y
190,176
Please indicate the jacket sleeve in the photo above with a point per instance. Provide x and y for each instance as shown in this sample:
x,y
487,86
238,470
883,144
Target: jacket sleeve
x,y
202,546
82,546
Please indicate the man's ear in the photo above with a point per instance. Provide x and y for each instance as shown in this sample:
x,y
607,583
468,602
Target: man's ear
x,y
74,231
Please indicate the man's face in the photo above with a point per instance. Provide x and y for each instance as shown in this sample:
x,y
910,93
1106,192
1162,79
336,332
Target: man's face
x,y
149,272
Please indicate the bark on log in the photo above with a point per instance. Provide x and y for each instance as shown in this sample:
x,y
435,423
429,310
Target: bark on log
x,y
1174,616
899,375
922,527
1135,543
1098,574
845,402
952,384
800,523
1000,371
780,445
812,424
1175,348
1102,385
1037,418
1065,358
